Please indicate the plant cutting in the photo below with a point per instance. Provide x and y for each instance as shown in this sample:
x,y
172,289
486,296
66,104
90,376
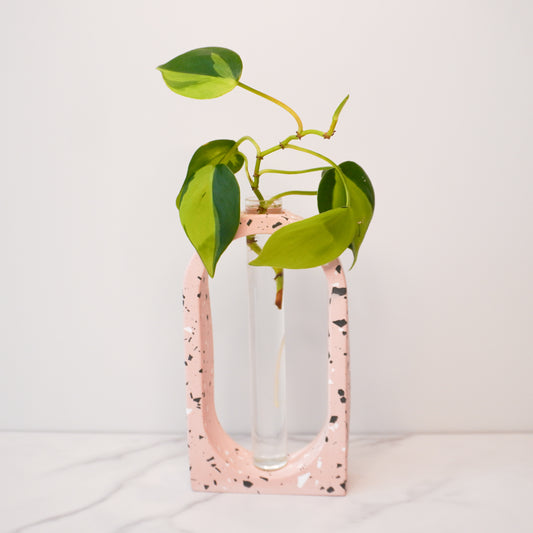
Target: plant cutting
x,y
209,199
210,213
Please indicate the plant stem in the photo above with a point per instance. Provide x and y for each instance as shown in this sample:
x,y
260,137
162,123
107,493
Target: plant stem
x,y
285,142
250,139
247,170
279,287
327,160
312,152
276,171
271,200
325,134
260,197
254,183
251,242
275,101
335,118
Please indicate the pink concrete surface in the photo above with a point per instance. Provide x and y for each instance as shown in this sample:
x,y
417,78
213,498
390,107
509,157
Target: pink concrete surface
x,y
217,462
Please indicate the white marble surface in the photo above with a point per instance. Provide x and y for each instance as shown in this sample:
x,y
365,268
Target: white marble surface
x,y
102,483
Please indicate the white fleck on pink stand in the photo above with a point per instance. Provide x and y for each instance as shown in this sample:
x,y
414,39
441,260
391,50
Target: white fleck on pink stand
x,y
217,462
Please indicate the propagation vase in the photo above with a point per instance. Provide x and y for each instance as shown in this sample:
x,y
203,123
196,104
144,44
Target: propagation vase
x,y
217,462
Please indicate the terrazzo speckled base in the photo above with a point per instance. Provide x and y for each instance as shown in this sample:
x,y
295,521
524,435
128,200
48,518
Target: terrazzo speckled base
x,y
217,462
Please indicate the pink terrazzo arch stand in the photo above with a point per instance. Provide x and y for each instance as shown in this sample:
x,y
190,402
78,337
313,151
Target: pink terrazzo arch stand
x,y
218,463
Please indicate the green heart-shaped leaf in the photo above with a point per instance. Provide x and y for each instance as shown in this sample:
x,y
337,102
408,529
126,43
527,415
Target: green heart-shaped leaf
x,y
203,73
310,242
210,212
332,194
212,153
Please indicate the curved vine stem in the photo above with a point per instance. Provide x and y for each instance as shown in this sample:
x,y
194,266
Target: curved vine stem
x,y
285,142
247,170
275,101
251,242
335,118
327,160
254,183
276,171
251,140
311,152
271,200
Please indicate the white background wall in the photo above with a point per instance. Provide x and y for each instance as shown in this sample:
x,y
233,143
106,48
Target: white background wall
x,y
93,149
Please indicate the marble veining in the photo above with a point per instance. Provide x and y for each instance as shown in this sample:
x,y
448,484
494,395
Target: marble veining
x,y
120,454
104,483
